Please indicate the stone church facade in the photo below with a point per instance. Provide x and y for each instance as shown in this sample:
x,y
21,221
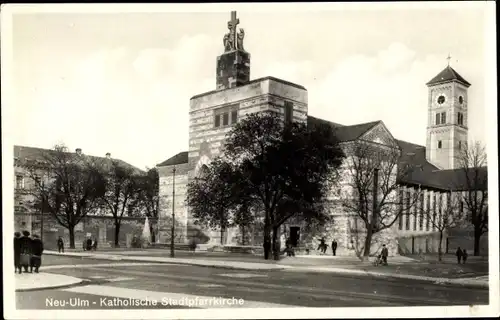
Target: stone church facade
x,y
212,114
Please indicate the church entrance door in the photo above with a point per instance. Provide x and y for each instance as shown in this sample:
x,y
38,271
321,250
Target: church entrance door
x,y
294,235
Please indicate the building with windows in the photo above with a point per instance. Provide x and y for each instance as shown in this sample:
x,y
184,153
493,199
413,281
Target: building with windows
x,y
31,217
435,169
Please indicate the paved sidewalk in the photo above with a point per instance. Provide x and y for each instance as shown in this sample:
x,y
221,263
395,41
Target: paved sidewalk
x,y
197,262
43,280
284,264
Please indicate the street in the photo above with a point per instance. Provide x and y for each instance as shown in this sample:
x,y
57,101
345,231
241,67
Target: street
x,y
110,283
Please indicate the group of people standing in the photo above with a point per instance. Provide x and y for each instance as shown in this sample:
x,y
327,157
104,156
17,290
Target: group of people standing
x,y
461,255
323,246
27,252
90,244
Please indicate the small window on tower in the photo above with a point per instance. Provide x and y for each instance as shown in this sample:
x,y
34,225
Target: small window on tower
x,y
440,144
459,145
234,116
438,117
460,118
217,120
461,100
443,117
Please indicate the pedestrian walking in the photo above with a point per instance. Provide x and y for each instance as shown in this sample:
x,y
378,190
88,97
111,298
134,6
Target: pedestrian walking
x,y
459,255
25,250
60,244
17,251
322,246
464,256
334,247
385,254
36,253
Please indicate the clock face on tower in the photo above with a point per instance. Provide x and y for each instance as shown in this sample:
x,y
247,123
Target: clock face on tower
x,y
441,99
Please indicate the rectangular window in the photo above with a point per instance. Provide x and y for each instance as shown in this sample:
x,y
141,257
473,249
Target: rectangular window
x,y
443,117
428,209
421,221
460,118
217,120
438,117
440,144
225,116
19,182
407,210
288,112
234,116
459,145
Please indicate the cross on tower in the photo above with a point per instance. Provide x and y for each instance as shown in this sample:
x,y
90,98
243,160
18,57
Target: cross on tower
x,y
232,28
449,58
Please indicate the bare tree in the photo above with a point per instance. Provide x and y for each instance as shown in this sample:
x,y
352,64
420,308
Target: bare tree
x,y
67,185
449,215
370,193
121,189
472,181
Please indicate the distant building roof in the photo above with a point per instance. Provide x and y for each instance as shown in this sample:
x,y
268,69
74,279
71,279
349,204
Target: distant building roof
x,y
34,153
448,74
180,158
344,133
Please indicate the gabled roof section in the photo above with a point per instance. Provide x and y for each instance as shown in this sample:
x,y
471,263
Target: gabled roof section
x,y
34,153
351,133
448,74
180,158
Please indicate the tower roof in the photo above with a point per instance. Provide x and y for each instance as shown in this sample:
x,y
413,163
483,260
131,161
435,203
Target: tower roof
x,y
448,74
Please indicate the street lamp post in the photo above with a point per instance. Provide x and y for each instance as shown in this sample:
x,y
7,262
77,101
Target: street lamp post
x,y
172,253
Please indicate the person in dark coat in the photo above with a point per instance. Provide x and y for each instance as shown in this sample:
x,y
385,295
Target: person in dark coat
x,y
334,247
89,244
459,255
384,254
25,250
94,244
464,256
60,244
36,253
17,251
267,248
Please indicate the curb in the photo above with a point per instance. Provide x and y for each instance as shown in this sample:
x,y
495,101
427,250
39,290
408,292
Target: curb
x,y
56,286
446,281
131,259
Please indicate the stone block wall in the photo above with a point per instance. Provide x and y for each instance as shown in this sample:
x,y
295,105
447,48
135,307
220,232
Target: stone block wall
x,y
166,191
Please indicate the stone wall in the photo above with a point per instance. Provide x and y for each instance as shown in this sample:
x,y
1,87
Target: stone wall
x,y
166,177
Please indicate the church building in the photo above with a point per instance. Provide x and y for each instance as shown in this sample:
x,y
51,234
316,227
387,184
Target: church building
x,y
212,115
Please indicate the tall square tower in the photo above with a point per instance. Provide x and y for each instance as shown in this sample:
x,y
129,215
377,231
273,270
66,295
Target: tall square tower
x,y
447,131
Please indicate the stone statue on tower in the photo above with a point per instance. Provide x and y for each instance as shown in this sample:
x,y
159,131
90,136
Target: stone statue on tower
x,y
232,40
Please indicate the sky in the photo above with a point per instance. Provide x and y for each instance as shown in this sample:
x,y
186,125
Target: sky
x,y
120,82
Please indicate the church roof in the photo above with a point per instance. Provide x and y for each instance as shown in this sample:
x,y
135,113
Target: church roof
x,y
34,153
448,74
344,133
180,158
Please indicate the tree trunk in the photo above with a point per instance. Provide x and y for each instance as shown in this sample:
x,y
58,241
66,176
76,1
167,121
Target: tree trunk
x,y
477,241
267,237
276,246
222,236
243,235
368,242
117,234
440,246
71,230
152,231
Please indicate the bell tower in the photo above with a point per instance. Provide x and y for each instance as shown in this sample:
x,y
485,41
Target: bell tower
x,y
447,131
233,66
